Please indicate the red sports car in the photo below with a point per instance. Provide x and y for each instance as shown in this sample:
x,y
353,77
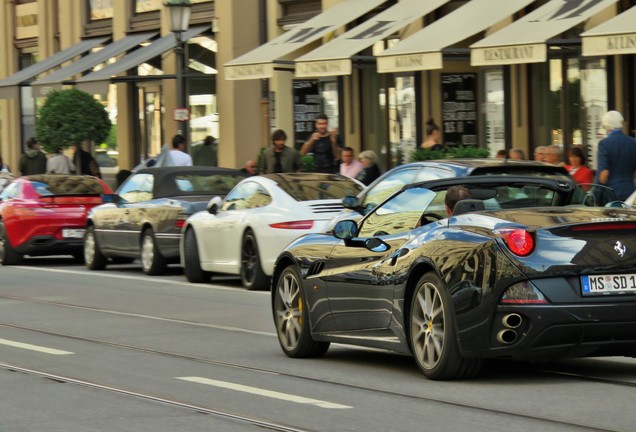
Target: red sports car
x,y
46,215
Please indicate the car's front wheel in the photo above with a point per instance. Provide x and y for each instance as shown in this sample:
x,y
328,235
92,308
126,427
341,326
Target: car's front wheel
x,y
93,257
192,262
291,317
152,262
433,333
252,275
8,255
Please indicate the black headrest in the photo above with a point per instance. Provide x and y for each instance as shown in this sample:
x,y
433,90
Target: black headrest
x,y
467,206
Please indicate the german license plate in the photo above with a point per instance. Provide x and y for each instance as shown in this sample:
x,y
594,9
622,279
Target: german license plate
x,y
73,233
608,284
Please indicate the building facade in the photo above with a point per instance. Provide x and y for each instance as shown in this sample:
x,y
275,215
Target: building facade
x,y
491,74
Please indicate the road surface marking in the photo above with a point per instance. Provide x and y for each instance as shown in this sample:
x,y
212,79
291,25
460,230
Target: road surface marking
x,y
262,392
152,279
34,347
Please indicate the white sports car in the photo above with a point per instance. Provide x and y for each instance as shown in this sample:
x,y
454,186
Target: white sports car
x,y
244,233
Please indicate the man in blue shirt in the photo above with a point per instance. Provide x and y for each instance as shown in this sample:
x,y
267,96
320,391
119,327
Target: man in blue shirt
x,y
616,157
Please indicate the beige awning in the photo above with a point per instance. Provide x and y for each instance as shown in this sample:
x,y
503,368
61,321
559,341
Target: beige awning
x,y
260,62
524,41
55,80
615,36
423,50
334,57
98,81
10,86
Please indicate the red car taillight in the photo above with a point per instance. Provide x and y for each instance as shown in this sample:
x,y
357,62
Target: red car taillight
x,y
519,241
306,224
179,223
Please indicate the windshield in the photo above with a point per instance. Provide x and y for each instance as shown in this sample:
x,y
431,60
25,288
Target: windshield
x,y
594,195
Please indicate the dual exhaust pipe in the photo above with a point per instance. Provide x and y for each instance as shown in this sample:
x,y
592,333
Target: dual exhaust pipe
x,y
509,335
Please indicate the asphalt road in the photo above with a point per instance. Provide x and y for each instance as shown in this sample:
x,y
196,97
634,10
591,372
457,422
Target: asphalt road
x,y
120,351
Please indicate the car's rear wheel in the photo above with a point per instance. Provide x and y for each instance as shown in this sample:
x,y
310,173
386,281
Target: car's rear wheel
x,y
192,262
8,255
93,257
433,333
152,262
291,317
252,276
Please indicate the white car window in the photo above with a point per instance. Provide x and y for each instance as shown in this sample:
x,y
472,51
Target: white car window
x,y
247,195
137,188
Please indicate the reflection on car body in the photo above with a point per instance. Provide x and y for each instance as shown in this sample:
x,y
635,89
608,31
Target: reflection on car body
x,y
144,218
256,220
45,214
540,282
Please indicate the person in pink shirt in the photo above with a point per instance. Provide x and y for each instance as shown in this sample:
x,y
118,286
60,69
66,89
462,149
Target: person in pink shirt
x,y
349,167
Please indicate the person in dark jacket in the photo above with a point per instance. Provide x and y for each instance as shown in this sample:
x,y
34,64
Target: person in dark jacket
x,y
616,157
33,161
278,157
85,163
371,170
206,154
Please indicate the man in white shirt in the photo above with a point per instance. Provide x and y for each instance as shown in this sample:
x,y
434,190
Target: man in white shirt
x,y
350,167
178,154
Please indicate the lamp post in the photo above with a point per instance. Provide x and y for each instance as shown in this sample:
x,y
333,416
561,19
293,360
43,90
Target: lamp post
x,y
179,22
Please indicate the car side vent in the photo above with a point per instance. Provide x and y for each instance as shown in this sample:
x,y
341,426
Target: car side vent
x,y
326,208
315,268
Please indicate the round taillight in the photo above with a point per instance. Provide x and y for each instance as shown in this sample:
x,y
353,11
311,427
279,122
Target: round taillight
x,y
520,242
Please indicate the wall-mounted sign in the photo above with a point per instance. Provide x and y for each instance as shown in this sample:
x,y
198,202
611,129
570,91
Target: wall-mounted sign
x,y
306,108
459,109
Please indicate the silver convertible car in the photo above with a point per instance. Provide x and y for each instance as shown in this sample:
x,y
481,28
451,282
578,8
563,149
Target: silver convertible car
x,y
144,218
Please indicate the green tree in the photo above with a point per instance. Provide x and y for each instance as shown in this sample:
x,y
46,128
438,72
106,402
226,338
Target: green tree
x,y
70,117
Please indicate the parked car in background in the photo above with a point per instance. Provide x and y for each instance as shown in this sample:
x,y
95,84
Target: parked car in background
x,y
256,220
46,215
547,281
144,218
416,172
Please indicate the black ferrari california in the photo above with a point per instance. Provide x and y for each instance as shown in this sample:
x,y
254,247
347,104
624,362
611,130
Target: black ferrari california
x,y
528,268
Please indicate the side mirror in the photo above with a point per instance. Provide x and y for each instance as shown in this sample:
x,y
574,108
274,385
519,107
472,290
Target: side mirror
x,y
376,245
214,205
345,230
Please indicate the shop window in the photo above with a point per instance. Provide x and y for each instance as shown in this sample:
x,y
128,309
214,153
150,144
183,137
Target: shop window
x,y
311,98
27,102
402,119
100,17
202,83
459,109
374,106
493,114
594,104
569,97
298,11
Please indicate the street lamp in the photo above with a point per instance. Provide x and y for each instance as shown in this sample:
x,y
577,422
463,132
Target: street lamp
x,y
179,22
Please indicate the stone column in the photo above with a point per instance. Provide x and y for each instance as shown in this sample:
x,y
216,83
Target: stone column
x,y
240,115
